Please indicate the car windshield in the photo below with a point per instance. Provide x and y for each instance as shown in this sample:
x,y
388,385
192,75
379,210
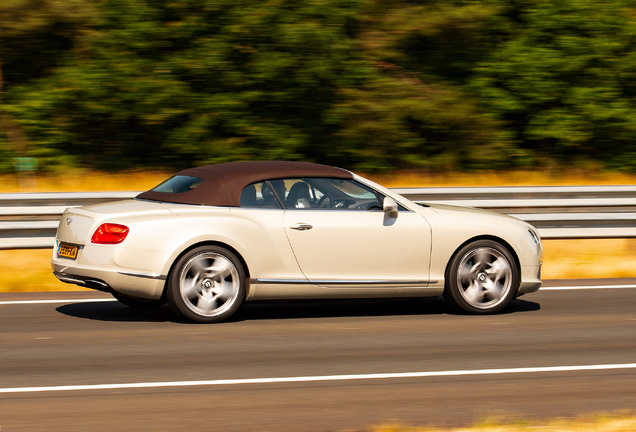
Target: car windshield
x,y
340,188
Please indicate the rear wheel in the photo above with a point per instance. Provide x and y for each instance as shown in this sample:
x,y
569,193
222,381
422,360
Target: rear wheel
x,y
207,284
482,278
138,303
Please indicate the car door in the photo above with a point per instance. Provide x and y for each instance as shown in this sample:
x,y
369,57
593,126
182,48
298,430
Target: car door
x,y
357,245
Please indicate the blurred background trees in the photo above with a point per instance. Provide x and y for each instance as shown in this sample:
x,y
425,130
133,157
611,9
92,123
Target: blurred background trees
x,y
370,85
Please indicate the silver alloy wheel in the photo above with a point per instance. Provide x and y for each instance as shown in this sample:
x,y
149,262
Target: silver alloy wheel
x,y
209,284
484,276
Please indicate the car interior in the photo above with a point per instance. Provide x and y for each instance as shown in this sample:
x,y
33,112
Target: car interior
x,y
310,193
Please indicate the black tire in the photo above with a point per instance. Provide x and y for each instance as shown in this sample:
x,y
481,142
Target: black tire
x,y
138,303
206,285
481,278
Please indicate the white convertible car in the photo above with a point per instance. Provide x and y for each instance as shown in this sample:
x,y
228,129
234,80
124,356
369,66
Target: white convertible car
x,y
210,238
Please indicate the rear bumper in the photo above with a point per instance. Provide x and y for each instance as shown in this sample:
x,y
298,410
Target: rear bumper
x,y
145,286
98,267
83,281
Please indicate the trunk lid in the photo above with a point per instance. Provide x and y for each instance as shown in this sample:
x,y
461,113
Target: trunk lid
x,y
78,224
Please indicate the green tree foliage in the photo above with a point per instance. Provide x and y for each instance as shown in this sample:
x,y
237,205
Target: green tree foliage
x,y
365,84
175,83
415,111
35,37
563,80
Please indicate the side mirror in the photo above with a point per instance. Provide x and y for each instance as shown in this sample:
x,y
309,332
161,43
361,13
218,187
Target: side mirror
x,y
390,207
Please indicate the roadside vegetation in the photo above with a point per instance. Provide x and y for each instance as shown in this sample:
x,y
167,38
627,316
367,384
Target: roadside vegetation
x,y
369,85
598,423
85,180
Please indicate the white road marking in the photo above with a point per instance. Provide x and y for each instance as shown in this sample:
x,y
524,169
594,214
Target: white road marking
x,y
57,301
319,378
586,287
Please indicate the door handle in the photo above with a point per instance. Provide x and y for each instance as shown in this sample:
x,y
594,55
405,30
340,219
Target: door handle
x,y
301,226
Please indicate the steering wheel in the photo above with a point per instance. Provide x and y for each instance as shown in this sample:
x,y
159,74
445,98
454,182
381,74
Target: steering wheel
x,y
374,205
322,200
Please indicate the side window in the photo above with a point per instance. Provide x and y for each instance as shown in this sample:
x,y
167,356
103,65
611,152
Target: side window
x,y
329,194
260,195
311,193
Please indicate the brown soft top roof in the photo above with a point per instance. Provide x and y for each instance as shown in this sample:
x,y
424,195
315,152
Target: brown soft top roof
x,y
223,183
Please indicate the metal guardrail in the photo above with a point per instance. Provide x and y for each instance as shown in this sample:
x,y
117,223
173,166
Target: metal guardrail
x,y
29,220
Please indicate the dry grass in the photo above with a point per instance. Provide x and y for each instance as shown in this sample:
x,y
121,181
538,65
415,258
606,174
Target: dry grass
x,y
29,270
82,181
604,423
583,259
506,178
87,181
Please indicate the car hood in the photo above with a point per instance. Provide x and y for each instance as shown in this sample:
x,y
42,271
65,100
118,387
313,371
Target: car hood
x,y
443,208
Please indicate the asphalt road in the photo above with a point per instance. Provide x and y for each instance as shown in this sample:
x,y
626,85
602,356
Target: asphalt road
x,y
47,345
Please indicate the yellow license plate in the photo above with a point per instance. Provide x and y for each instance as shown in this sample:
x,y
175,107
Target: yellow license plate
x,y
67,251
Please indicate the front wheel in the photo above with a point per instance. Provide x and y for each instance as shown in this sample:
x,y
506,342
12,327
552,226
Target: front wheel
x,y
206,285
482,278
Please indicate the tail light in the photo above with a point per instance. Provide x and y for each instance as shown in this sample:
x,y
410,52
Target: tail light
x,y
109,233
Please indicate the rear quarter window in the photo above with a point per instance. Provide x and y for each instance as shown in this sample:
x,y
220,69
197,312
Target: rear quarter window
x,y
178,184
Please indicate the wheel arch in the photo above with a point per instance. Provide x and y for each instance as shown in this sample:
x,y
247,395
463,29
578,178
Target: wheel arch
x,y
210,243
